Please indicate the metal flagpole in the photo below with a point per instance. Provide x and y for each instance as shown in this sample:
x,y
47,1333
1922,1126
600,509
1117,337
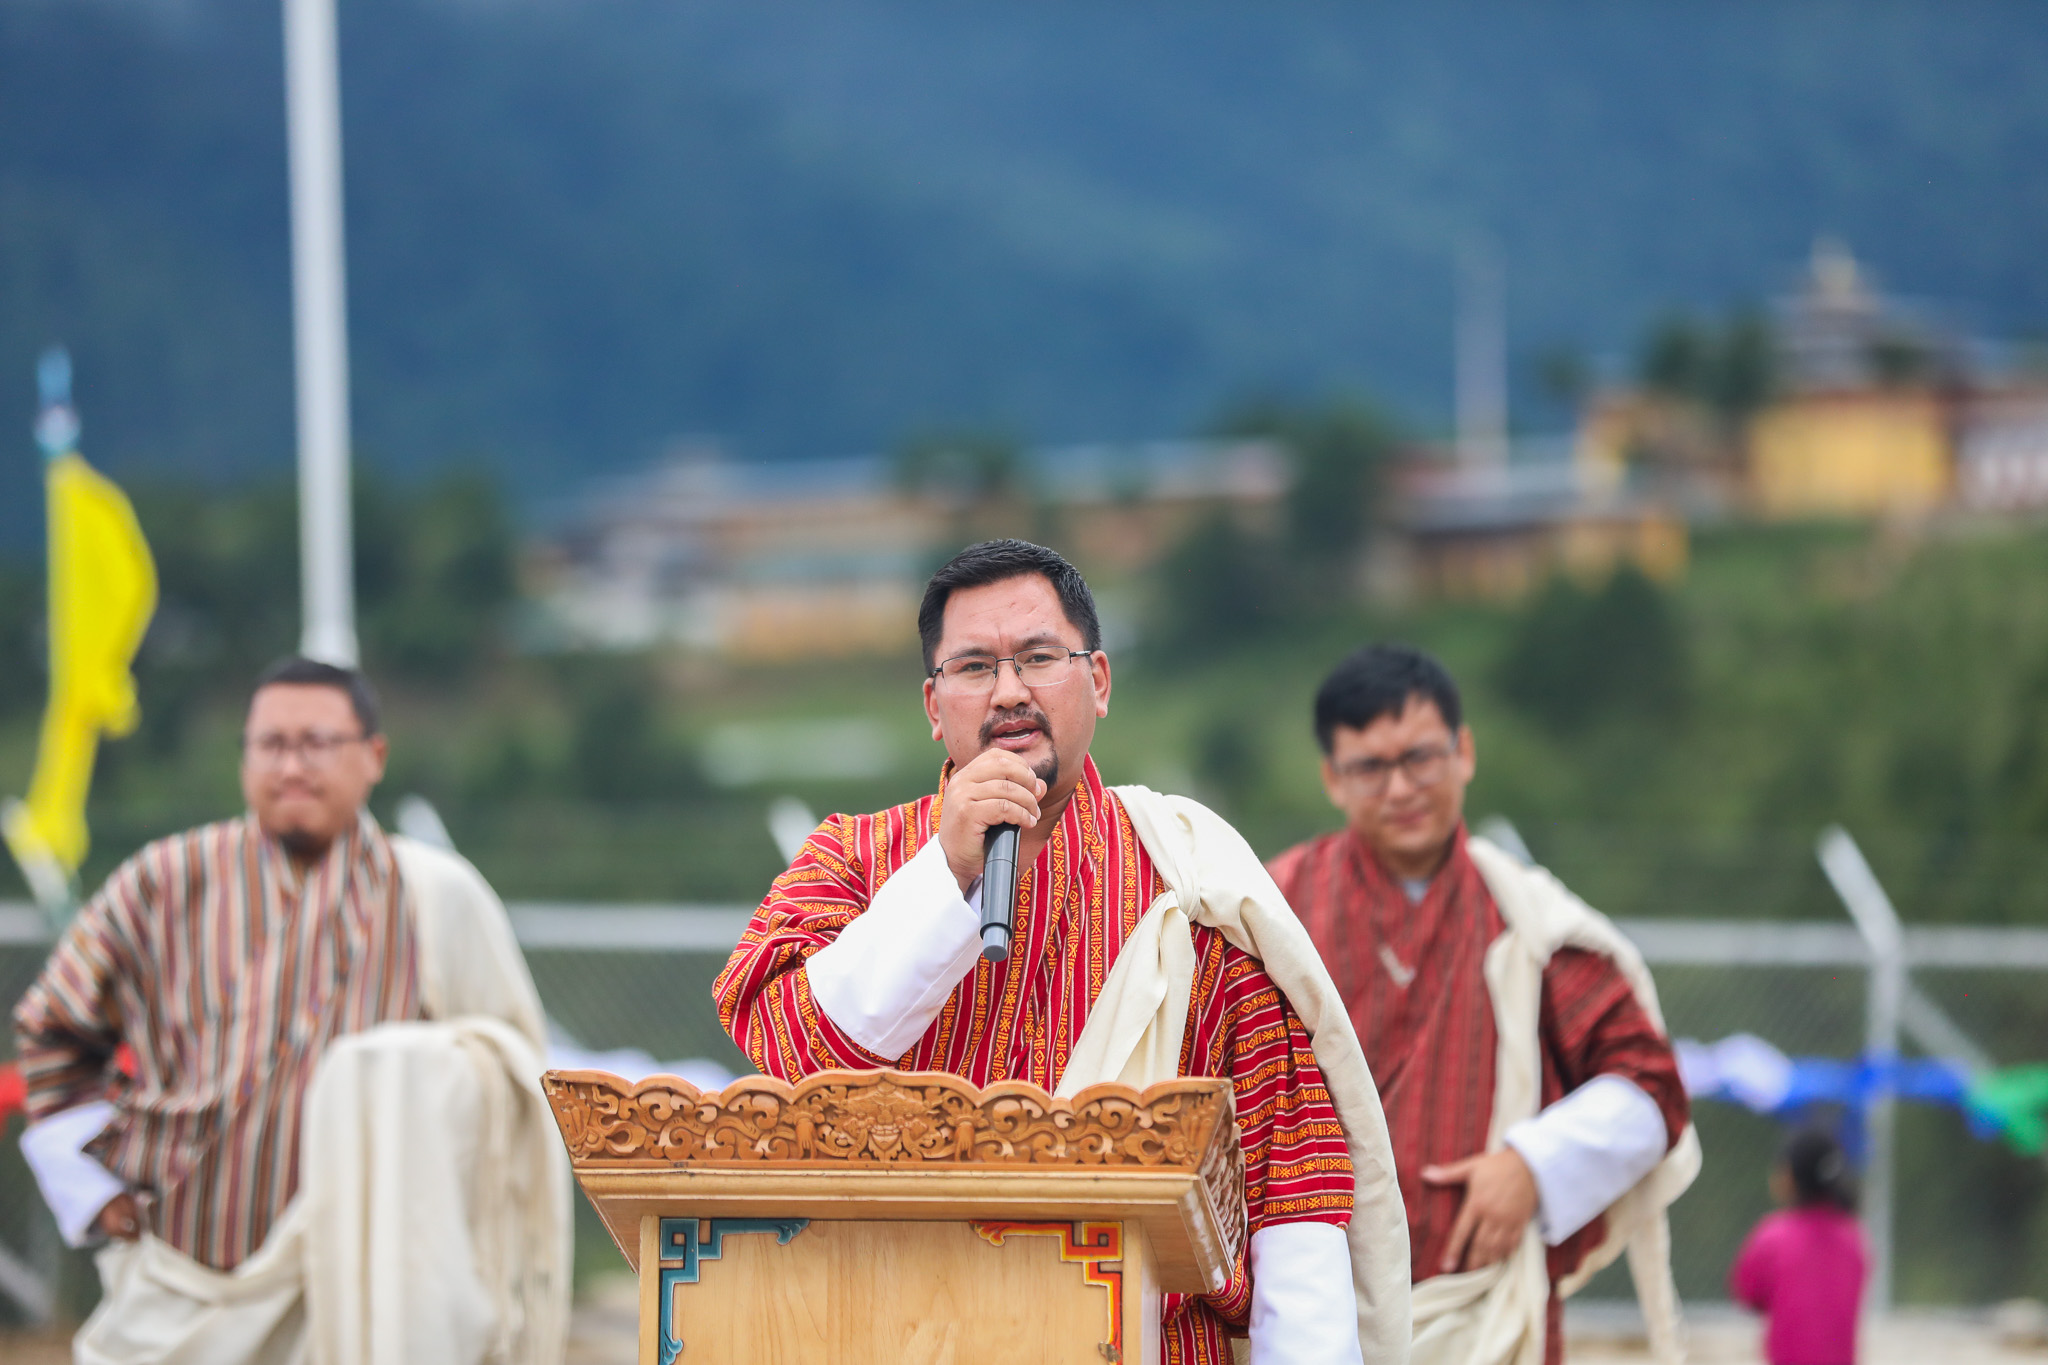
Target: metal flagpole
x,y
320,333
1878,923
1482,366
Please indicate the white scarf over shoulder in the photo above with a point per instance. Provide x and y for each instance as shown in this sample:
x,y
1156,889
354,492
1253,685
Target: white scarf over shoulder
x,y
1134,1030
1496,1316
515,1219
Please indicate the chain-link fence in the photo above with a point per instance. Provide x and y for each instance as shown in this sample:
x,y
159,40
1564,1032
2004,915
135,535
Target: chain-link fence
x,y
1971,1217
1802,1011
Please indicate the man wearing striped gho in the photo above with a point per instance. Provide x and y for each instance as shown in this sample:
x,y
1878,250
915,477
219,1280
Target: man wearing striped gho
x,y
323,1138
1539,1124
866,954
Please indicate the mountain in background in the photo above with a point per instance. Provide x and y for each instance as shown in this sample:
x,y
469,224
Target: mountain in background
x,y
580,228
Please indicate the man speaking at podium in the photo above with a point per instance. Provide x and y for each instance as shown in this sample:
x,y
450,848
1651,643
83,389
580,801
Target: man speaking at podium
x,y
1148,943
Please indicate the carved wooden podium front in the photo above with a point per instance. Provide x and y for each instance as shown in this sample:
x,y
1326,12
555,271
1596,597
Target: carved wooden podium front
x,y
885,1216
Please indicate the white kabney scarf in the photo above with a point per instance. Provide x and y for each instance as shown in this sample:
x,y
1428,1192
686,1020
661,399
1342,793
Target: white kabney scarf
x,y
1496,1316
433,1215
1134,1030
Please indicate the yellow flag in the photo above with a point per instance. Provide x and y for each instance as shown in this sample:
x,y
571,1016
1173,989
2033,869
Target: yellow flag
x,y
102,593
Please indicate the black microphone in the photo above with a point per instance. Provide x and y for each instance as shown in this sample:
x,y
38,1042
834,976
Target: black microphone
x,y
998,890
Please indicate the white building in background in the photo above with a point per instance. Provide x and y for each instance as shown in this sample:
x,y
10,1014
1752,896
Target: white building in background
x,y
760,561
2002,452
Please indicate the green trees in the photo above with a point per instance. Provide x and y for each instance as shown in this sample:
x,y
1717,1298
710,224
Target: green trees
x,y
434,582
1729,370
1234,575
1340,452
1221,583
435,574
22,662
1581,656
588,228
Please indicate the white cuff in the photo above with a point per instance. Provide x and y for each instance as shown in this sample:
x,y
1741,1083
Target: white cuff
x,y
1588,1150
1304,1309
888,973
74,1185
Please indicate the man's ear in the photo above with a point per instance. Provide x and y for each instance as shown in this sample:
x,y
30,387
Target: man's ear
x,y
1330,788
380,750
931,711
1098,673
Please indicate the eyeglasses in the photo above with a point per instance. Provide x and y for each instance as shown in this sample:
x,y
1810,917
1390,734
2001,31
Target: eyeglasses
x,y
314,748
1038,666
1424,766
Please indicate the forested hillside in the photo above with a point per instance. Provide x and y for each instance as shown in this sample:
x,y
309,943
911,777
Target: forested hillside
x,y
580,228
1673,751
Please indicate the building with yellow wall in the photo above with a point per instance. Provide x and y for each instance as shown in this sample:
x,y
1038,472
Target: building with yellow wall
x,y
1858,453
1864,420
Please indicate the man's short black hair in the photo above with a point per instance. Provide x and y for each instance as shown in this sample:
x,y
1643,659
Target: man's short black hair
x,y
1378,681
362,698
992,561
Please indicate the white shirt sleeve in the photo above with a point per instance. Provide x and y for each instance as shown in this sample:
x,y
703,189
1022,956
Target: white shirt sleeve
x,y
888,973
74,1185
1304,1308
1588,1150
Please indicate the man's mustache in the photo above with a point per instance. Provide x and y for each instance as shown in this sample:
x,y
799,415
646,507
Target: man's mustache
x,y
1016,715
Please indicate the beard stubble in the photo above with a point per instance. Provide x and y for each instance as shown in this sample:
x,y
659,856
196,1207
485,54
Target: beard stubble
x,y
1047,770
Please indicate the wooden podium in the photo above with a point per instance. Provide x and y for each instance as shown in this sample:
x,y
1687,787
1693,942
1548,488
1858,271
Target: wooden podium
x,y
885,1216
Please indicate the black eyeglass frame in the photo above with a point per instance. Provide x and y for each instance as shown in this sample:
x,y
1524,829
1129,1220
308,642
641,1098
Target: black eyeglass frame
x,y
1374,784
1011,660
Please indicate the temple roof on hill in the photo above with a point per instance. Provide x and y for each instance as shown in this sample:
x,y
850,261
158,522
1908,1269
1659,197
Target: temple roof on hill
x,y
1840,332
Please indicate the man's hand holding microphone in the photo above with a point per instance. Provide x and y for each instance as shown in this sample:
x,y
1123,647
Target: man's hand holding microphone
x,y
996,788
989,803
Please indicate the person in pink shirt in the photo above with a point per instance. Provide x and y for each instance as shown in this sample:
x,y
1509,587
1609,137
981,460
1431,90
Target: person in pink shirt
x,y
1803,1267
